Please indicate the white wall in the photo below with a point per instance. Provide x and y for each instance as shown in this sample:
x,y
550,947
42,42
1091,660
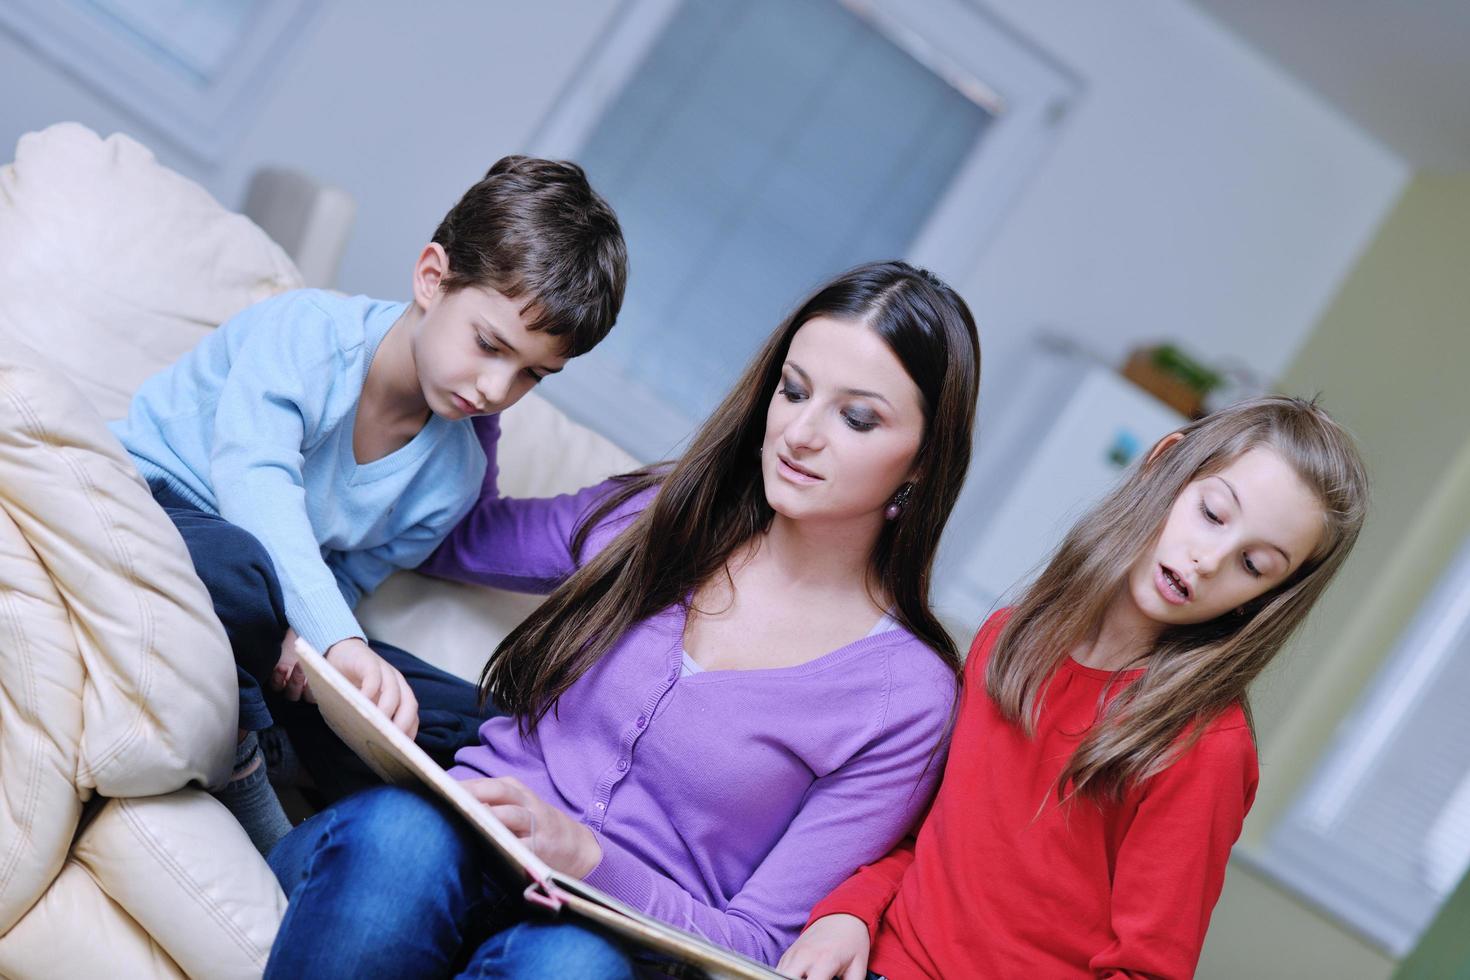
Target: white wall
x,y
404,105
1195,193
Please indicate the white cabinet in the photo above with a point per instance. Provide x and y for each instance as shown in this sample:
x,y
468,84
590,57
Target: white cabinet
x,y
1069,429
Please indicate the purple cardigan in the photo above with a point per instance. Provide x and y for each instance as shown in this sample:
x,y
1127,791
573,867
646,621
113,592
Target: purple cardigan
x,y
727,802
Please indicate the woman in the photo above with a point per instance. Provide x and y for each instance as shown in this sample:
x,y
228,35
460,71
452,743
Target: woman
x,y
666,738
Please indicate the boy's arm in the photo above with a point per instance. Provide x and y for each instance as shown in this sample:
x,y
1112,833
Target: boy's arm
x,y
281,373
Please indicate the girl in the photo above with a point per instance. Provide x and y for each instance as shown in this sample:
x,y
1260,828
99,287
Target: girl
x,y
669,738
1103,760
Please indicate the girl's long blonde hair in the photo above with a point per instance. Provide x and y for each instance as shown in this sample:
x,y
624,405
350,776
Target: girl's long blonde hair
x,y
1193,673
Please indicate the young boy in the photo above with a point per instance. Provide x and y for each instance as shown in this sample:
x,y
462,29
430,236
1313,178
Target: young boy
x,y
316,443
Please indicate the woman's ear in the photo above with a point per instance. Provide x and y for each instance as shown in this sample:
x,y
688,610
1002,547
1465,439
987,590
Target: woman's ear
x,y
428,274
1163,445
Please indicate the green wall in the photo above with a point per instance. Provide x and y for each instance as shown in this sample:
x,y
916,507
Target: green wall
x,y
1444,952
1391,359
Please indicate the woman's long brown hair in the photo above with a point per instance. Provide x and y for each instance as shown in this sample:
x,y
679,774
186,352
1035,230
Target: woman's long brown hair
x,y
1193,673
711,501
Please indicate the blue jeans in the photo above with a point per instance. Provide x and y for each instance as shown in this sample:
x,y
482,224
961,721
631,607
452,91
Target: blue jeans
x,y
390,883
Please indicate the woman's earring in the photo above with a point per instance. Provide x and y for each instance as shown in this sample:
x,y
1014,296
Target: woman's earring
x,y
896,505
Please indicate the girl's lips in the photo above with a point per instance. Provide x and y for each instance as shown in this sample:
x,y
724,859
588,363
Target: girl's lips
x,y
1170,586
795,473
462,405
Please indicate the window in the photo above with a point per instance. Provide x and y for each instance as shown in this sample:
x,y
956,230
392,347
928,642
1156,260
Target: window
x,y
190,69
1380,836
754,149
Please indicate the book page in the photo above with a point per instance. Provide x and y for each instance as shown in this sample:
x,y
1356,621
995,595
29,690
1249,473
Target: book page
x,y
395,757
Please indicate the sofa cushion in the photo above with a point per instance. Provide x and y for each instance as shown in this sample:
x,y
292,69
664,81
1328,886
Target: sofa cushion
x,y
115,264
117,678
185,870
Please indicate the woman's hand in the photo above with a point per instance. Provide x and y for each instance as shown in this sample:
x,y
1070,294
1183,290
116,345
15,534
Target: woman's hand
x,y
567,845
379,680
833,946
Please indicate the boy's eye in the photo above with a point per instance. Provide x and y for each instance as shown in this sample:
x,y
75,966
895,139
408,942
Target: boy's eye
x,y
485,345
536,379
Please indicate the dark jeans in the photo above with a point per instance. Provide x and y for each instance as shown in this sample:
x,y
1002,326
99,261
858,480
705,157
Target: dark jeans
x,y
242,584
389,883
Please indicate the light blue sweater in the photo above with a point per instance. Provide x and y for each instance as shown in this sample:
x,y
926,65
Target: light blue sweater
x,y
255,425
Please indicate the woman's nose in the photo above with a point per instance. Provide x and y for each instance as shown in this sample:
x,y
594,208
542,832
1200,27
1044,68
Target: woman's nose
x,y
805,430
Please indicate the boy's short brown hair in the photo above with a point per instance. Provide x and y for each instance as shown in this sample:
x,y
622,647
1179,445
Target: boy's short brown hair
x,y
536,229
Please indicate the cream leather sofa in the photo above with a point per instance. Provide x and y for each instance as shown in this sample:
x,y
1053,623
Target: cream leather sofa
x,y
117,701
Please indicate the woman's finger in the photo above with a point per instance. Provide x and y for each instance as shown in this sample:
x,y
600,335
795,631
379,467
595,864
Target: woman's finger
x,y
490,791
517,820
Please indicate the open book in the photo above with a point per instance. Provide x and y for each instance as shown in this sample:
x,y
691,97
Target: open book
x,y
395,757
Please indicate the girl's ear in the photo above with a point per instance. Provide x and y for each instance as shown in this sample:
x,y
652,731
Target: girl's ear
x,y
1163,445
428,274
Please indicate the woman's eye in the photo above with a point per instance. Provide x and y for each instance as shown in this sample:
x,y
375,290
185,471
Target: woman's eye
x,y
792,394
858,423
485,345
1250,567
1210,516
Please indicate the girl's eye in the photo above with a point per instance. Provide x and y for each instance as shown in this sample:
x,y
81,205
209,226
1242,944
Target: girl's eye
x,y
1204,508
1251,568
485,345
859,424
792,394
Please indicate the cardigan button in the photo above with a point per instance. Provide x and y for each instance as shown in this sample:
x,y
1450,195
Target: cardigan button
x,y
642,721
622,765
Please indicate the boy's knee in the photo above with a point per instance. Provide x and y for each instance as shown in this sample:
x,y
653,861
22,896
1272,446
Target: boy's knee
x,y
237,561
241,579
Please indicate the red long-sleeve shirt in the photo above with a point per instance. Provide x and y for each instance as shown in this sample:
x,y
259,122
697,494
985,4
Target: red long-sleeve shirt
x,y
1002,881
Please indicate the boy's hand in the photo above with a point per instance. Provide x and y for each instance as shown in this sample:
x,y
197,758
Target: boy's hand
x,y
379,680
288,677
833,946
566,844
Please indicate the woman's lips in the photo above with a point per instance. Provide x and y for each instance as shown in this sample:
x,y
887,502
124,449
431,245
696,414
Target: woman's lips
x,y
795,473
1170,585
